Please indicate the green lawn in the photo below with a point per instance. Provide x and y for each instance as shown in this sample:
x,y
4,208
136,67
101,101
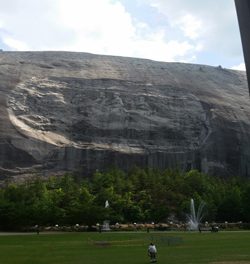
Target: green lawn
x,y
129,248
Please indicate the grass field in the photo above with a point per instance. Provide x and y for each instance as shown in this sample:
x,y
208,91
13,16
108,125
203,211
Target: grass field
x,y
129,248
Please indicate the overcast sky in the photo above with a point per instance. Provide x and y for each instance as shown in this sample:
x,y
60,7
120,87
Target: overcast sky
x,y
195,31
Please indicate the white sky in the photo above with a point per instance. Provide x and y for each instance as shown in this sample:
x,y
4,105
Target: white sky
x,y
194,31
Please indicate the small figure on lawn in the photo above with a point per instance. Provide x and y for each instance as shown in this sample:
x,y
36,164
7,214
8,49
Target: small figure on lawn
x,y
37,229
152,251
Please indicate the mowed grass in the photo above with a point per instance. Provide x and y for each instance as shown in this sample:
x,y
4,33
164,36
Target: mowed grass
x,y
129,248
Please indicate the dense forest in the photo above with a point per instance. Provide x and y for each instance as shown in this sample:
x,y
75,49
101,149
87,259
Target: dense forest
x,y
136,196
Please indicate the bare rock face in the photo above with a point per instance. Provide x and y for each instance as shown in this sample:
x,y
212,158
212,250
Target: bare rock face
x,y
63,111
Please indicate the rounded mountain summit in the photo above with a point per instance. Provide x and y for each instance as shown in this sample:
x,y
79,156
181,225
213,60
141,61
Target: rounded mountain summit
x,y
66,111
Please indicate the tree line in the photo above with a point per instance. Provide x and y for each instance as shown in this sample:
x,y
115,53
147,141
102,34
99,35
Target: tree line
x,y
141,195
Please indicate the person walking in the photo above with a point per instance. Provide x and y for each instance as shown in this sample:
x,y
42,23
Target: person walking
x,y
152,251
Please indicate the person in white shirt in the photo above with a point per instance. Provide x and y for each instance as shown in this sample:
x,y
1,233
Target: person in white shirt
x,y
152,251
